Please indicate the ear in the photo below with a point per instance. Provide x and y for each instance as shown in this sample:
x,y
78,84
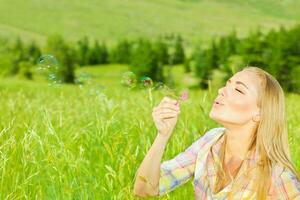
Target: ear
x,y
256,117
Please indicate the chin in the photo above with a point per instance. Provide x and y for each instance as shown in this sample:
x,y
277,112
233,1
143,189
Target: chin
x,y
214,116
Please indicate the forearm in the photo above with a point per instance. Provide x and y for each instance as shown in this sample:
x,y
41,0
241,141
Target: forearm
x,y
148,174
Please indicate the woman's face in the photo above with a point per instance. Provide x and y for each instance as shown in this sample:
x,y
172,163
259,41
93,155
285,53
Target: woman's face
x,y
237,100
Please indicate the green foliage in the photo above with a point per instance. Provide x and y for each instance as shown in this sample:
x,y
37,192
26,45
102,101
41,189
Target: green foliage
x,y
25,70
145,61
278,52
178,55
57,47
65,143
187,65
161,49
202,67
98,54
22,58
82,52
121,53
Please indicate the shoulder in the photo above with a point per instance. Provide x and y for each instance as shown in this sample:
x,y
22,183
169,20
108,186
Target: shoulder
x,y
207,137
285,182
213,132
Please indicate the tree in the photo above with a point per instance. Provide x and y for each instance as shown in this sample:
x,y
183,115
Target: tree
x,y
179,54
98,54
144,61
57,47
33,52
203,69
83,50
121,53
161,50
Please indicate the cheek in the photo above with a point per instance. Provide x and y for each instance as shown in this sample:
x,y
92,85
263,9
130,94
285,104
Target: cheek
x,y
240,105
238,110
241,109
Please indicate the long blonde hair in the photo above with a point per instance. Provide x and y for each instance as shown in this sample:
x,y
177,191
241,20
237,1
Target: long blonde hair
x,y
271,136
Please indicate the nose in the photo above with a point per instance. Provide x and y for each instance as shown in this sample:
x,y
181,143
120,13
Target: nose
x,y
221,91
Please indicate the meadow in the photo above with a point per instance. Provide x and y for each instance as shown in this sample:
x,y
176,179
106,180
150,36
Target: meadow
x,y
86,141
71,142
111,20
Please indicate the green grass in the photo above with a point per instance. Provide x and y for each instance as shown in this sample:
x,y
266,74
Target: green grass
x,y
69,142
111,20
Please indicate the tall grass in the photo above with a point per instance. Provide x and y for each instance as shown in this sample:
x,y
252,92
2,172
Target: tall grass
x,y
80,143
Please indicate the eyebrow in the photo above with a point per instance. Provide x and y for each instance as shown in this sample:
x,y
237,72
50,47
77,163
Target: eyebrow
x,y
239,82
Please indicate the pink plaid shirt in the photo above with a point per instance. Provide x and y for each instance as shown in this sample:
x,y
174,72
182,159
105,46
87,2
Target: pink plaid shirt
x,y
199,162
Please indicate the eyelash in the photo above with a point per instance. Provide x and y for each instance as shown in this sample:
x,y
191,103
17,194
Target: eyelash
x,y
239,91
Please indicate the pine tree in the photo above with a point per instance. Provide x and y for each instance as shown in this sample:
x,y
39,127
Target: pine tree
x,y
202,67
161,49
179,54
58,48
83,50
121,53
144,61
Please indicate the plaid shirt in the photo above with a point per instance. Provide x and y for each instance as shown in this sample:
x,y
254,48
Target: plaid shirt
x,y
199,162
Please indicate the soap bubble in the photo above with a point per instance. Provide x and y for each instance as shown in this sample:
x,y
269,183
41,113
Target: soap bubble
x,y
159,86
147,82
97,90
165,90
47,62
49,67
83,78
129,79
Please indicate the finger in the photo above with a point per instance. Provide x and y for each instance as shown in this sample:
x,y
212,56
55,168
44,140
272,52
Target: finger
x,y
166,110
167,116
168,100
170,106
168,113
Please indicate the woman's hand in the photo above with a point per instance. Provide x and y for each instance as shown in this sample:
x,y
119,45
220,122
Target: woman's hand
x,y
165,116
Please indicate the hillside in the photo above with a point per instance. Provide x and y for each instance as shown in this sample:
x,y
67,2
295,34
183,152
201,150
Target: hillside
x,y
111,20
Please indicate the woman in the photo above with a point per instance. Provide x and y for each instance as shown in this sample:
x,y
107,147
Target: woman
x,y
247,158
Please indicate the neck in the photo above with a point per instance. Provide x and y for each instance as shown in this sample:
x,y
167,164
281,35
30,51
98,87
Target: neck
x,y
238,141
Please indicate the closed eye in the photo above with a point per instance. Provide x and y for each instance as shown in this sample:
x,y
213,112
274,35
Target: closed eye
x,y
239,91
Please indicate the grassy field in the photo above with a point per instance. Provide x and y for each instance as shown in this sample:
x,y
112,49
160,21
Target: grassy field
x,y
72,142
111,20
67,142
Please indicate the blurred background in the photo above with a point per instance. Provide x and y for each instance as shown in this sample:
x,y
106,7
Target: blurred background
x,y
79,79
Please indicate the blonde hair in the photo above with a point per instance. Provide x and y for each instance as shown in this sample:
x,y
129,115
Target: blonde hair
x,y
271,135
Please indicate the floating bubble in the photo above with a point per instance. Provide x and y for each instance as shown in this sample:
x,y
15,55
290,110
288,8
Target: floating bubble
x,y
49,67
97,90
129,79
165,90
54,78
147,82
47,62
83,78
159,86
